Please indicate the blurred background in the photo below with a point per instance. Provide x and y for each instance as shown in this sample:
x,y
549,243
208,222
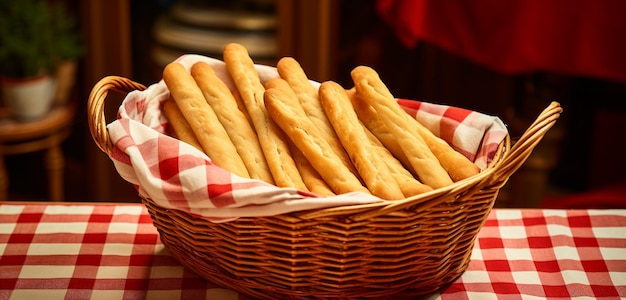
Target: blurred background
x,y
508,60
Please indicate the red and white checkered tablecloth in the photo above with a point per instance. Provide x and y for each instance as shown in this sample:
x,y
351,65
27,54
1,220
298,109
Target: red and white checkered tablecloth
x,y
112,251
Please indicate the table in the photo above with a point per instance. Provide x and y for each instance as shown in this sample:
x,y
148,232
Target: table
x,y
112,251
44,134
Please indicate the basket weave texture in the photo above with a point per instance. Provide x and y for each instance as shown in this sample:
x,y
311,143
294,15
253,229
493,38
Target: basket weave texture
x,y
385,250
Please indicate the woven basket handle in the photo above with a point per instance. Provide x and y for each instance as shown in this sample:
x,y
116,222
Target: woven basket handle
x,y
524,146
95,107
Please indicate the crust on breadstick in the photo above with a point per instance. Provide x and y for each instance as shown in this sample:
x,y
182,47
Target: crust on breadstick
x,y
456,164
282,166
240,131
310,176
202,119
285,109
375,125
371,89
242,106
179,124
372,167
409,185
291,71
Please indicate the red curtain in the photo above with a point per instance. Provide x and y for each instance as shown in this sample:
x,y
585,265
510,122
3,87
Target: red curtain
x,y
576,37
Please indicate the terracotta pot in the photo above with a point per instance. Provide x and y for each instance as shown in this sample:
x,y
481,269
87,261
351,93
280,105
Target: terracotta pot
x,y
28,99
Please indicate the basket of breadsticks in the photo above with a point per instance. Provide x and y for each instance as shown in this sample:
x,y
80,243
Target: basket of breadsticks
x,y
279,187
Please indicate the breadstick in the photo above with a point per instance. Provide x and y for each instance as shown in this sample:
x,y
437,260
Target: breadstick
x,y
282,166
290,70
310,176
397,121
285,109
456,164
373,169
179,124
371,121
202,119
243,136
241,106
408,184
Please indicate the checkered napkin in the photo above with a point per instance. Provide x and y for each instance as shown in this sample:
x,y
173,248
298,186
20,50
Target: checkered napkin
x,y
178,176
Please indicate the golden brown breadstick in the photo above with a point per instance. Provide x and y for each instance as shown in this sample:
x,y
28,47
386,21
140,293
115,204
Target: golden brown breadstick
x,y
241,106
311,177
282,166
243,136
409,185
291,71
371,121
371,89
179,124
202,119
455,163
373,169
285,109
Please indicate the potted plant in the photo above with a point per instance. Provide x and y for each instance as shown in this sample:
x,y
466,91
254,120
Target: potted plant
x,y
35,37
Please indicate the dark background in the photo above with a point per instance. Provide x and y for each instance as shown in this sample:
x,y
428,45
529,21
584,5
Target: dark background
x,y
584,155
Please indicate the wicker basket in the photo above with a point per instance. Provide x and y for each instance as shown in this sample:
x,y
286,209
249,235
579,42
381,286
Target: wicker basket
x,y
387,250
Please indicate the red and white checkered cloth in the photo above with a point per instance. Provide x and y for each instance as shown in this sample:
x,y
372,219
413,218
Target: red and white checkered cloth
x,y
112,251
91,252
177,175
547,254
